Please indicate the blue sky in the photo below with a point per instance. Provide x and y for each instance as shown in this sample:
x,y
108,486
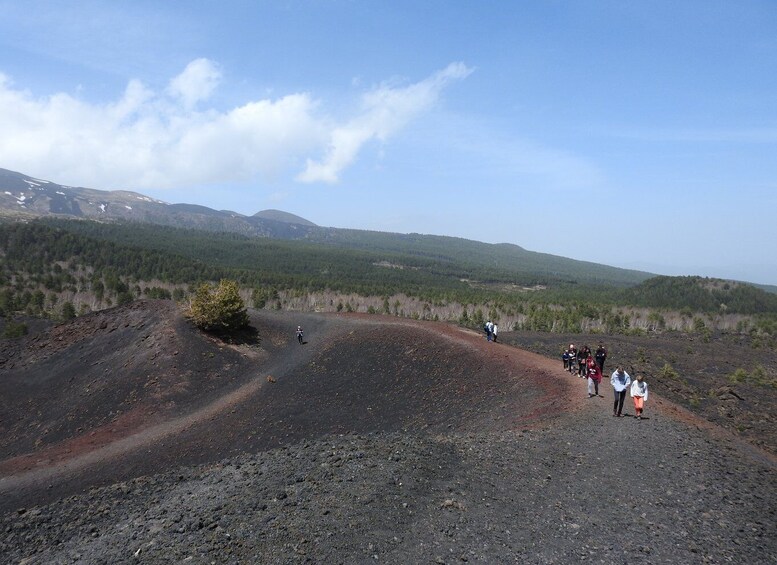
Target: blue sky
x,y
634,134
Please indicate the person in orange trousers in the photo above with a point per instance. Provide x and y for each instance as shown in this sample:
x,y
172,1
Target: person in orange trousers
x,y
639,393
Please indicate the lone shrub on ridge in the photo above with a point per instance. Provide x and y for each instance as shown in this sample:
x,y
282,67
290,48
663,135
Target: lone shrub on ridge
x,y
218,309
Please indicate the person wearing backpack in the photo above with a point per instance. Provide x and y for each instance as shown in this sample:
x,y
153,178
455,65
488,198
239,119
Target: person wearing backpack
x,y
489,330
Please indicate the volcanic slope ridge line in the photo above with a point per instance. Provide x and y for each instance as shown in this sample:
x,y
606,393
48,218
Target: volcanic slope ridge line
x,y
422,375
154,433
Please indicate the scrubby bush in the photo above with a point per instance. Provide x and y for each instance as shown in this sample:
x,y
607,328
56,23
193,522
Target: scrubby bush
x,y
758,376
68,311
15,329
220,308
738,376
668,372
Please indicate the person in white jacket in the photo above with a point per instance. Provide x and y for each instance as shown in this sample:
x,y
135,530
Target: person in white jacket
x,y
620,381
639,392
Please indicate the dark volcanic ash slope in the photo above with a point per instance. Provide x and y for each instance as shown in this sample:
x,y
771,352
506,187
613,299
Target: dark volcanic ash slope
x,y
378,440
105,376
136,390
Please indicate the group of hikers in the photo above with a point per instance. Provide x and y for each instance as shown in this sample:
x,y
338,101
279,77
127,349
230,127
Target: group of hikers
x,y
586,365
491,330
590,366
582,361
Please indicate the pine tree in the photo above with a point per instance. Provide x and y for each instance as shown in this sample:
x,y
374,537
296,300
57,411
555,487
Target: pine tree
x,y
219,309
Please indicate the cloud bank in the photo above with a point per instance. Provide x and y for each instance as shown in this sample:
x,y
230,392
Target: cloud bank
x,y
173,138
384,111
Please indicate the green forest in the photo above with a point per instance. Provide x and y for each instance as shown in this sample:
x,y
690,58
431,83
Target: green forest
x,y
63,268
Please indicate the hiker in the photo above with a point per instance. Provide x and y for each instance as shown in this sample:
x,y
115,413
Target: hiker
x,y
594,378
601,355
299,334
582,357
565,359
639,393
572,357
620,381
590,364
489,328
494,330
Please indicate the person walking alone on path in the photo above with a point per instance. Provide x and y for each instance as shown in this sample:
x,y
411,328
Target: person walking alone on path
x,y
299,334
639,393
620,381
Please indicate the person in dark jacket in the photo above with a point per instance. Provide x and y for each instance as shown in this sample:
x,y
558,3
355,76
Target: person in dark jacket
x,y
582,357
601,355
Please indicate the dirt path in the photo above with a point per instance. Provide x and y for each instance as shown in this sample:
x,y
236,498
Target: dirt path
x,y
70,458
72,465
398,441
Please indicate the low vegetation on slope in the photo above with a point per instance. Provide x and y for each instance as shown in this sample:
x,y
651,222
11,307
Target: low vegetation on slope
x,y
60,268
697,294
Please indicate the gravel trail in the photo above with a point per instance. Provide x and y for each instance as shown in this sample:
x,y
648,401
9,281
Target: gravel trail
x,y
590,488
570,484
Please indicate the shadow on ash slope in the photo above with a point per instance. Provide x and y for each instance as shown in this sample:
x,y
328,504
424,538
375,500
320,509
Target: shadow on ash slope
x,y
136,390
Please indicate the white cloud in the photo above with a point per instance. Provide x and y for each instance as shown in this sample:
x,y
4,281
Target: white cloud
x,y
147,139
195,83
384,111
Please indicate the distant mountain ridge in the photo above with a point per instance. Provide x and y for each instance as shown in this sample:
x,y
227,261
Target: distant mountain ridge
x,y
25,196
22,196
279,216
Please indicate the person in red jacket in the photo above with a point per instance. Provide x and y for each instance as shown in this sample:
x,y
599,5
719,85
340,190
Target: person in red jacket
x,y
594,378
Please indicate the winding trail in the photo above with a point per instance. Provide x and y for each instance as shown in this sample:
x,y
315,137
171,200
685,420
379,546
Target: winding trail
x,y
399,441
202,434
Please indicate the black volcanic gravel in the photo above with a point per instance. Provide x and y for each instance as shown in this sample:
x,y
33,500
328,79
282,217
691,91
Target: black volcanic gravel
x,y
591,488
452,450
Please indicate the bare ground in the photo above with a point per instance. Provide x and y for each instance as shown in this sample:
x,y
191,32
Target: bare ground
x,y
128,437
